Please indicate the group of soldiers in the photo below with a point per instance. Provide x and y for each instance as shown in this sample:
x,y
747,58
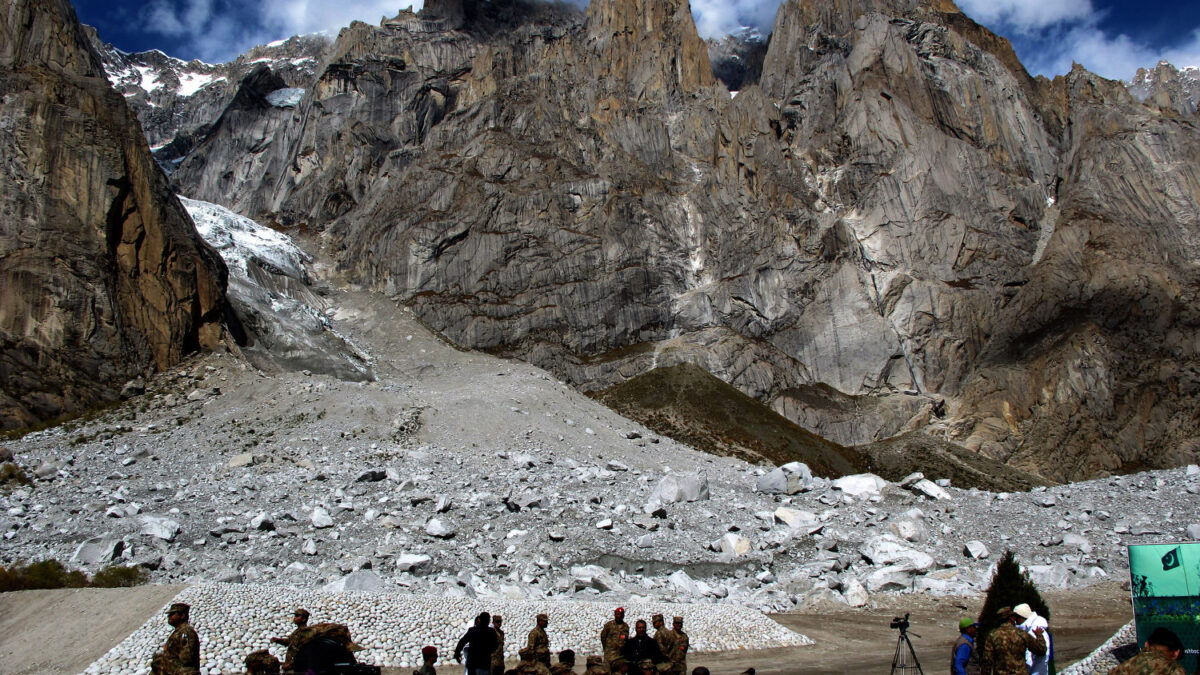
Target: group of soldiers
x,y
664,653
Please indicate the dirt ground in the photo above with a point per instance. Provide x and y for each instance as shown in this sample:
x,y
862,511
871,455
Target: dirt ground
x,y
62,632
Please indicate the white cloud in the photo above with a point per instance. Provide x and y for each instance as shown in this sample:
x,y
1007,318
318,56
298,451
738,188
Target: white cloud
x,y
285,18
1026,15
187,18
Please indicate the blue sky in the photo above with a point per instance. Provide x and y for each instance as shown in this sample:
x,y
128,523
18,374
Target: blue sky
x,y
1110,37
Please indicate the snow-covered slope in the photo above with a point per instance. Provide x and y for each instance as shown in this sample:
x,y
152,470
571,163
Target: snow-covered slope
x,y
176,100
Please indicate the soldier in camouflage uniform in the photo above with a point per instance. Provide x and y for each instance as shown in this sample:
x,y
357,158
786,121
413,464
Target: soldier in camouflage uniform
x,y
1160,657
181,654
539,642
261,662
666,639
595,665
566,663
682,644
293,641
498,655
1004,651
529,665
613,635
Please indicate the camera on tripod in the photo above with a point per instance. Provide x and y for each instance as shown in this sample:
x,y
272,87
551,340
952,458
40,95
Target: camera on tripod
x,y
905,659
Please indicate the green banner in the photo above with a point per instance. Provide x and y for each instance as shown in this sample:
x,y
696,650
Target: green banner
x,y
1165,583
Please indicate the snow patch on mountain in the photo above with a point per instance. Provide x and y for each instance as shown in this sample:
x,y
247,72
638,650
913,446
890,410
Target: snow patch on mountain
x,y
1168,87
288,97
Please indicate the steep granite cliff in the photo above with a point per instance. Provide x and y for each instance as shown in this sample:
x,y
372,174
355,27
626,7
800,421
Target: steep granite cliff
x,y
895,230
103,274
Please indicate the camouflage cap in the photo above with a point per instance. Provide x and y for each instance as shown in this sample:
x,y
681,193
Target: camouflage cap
x,y
181,607
677,619
302,612
1004,612
646,663
594,660
657,617
543,617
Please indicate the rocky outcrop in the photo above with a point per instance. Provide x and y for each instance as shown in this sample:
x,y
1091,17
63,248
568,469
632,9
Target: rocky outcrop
x,y
104,275
868,241
1168,87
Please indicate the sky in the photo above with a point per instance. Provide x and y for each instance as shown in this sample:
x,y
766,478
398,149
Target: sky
x,y
1110,37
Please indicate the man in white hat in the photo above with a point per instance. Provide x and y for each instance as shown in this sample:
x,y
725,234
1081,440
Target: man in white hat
x,y
1030,621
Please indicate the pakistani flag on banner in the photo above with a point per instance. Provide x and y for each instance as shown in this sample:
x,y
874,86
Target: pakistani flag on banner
x,y
1171,560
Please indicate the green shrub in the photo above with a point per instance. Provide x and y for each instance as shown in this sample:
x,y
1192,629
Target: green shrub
x,y
119,576
49,574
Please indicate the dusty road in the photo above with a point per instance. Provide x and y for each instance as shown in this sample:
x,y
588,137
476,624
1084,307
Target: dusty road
x,y
62,632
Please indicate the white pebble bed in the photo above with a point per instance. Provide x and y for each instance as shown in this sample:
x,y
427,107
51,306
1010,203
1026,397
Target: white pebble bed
x,y
234,620
1102,660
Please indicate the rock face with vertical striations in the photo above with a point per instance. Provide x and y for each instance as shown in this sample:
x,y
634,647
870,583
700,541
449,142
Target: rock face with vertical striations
x,y
895,231
103,274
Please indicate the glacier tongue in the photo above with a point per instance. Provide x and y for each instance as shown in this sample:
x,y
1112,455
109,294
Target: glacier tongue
x,y
240,240
271,292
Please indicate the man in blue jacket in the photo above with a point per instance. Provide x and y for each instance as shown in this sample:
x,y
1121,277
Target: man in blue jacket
x,y
964,660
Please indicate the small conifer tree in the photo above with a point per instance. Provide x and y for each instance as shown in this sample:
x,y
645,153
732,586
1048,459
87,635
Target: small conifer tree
x,y
1010,587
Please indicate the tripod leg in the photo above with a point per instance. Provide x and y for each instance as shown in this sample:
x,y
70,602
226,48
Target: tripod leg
x,y
898,659
913,653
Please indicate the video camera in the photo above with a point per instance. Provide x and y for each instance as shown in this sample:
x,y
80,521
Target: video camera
x,y
900,624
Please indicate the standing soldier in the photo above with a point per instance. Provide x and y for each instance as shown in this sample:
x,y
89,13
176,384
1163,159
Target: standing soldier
x,y
665,637
682,644
1004,650
539,642
181,654
292,642
498,655
613,635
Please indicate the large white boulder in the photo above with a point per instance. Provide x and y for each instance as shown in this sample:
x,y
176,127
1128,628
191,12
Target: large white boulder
x,y
684,583
160,527
860,484
410,562
320,518
786,480
681,488
887,549
795,518
732,544
890,578
98,551
855,594
930,489
359,580
436,528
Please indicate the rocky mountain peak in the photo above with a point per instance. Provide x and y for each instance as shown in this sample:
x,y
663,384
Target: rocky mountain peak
x,y
1168,87
649,46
